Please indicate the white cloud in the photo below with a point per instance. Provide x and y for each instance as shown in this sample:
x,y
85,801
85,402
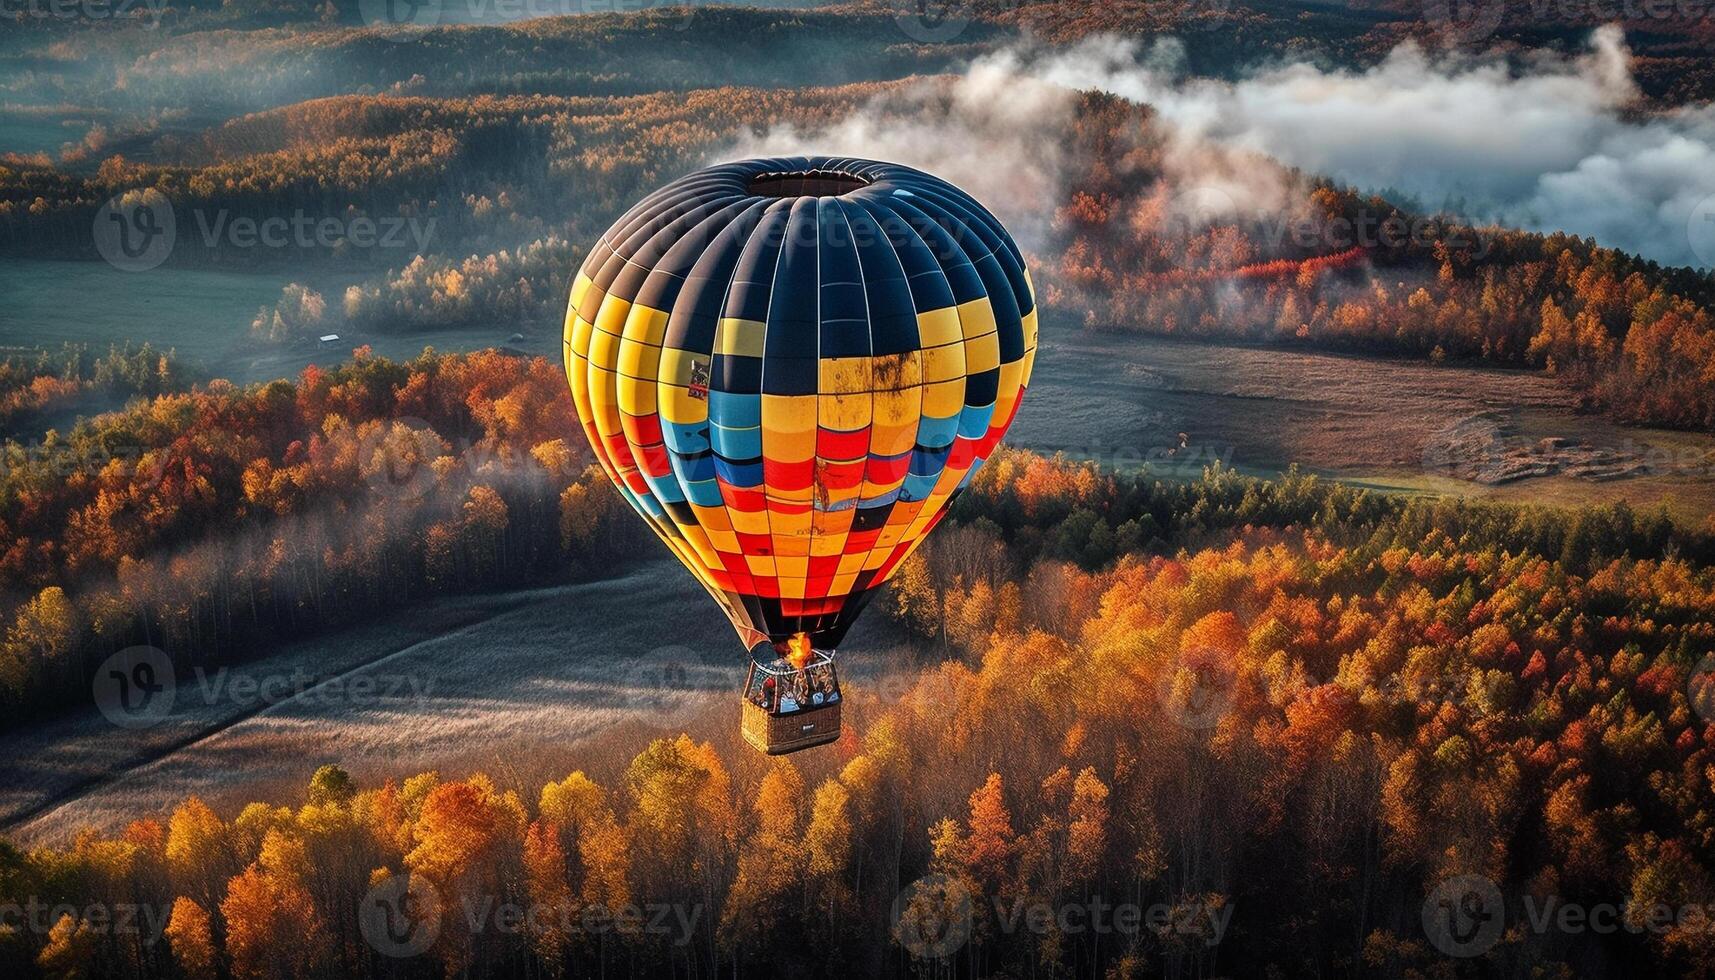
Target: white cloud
x,y
1558,145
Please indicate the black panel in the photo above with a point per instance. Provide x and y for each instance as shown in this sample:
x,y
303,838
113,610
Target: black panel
x,y
980,388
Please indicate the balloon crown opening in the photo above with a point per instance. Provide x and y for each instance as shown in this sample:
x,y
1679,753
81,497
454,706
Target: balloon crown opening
x,y
805,183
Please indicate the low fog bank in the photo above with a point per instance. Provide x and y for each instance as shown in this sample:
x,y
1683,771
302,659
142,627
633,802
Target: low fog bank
x,y
1557,145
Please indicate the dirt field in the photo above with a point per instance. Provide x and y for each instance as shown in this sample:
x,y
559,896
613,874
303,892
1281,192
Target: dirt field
x,y
1391,424
508,683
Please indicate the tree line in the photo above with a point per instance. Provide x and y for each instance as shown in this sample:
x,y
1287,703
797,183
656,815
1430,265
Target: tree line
x,y
1273,744
218,519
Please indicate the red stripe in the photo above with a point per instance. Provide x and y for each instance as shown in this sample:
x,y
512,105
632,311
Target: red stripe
x,y
887,470
959,457
860,542
834,444
788,476
755,544
655,461
641,429
842,476
750,500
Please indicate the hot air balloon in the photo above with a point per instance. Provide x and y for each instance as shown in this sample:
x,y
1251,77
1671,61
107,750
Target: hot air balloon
x,y
790,367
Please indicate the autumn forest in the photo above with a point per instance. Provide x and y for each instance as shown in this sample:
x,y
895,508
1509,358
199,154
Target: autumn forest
x,y
1114,719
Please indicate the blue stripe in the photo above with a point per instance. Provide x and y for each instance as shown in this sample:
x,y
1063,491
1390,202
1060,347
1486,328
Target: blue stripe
x,y
735,411
706,493
739,474
918,486
937,433
692,469
685,437
974,421
737,443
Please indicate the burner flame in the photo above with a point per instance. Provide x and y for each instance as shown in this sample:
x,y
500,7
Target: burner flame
x,y
799,650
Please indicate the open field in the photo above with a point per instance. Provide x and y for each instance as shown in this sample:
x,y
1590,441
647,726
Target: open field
x,y
505,683
50,303
1388,423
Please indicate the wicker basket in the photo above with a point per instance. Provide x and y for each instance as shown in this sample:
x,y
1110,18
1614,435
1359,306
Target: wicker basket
x,y
779,734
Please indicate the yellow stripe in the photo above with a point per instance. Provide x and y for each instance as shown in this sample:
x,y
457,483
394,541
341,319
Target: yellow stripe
x,y
638,360
646,325
604,401
944,400
604,350
578,333
678,407
1011,383
938,327
982,353
742,338
896,372
676,365
724,541
976,318
748,522
637,397
610,318
578,373
944,363
579,286
843,412
843,375
712,519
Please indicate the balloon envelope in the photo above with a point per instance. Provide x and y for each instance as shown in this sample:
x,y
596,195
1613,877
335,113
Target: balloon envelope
x,y
791,366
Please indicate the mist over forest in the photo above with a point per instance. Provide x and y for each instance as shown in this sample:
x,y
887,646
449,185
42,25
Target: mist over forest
x,y
1341,602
